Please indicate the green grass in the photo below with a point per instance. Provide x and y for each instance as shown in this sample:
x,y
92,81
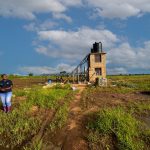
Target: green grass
x,y
116,90
16,127
146,136
21,92
61,114
119,127
141,107
120,124
34,146
60,117
136,82
20,125
47,98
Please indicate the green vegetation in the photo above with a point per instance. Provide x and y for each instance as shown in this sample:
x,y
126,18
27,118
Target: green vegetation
x,y
140,108
60,117
16,127
119,118
34,146
23,123
121,113
46,98
136,82
120,124
63,109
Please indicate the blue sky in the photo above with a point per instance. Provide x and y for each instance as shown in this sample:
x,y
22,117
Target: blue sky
x,y
49,36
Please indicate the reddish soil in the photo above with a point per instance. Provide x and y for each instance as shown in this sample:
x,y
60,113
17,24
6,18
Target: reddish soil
x,y
22,83
100,100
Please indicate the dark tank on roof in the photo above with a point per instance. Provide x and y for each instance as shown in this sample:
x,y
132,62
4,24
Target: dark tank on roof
x,y
97,48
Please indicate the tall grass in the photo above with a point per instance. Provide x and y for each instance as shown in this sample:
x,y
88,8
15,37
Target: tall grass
x,y
120,124
60,117
20,125
46,98
16,127
136,82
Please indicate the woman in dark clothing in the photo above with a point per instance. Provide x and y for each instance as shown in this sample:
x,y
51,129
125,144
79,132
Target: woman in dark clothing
x,y
6,92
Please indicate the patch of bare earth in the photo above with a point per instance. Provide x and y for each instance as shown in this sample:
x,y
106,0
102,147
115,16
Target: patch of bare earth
x,y
98,100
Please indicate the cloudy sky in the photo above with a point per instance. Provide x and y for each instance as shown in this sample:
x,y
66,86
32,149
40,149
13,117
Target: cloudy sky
x,y
48,36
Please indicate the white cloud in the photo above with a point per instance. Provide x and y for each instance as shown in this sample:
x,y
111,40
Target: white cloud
x,y
130,57
37,70
29,8
74,44
40,26
46,69
109,9
71,2
62,16
120,8
65,67
123,54
115,71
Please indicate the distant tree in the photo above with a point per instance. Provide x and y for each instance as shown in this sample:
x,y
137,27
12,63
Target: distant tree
x,y
63,72
30,74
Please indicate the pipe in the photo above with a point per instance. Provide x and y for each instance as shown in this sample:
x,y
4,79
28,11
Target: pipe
x,y
101,46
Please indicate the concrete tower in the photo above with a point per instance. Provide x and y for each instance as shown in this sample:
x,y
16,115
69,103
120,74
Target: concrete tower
x,y
96,63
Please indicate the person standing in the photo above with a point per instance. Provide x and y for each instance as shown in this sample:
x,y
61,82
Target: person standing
x,y
6,92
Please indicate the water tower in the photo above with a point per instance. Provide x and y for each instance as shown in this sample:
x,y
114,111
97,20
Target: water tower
x,y
96,63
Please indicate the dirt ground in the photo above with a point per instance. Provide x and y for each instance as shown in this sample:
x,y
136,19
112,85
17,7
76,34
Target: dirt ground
x,y
23,83
105,99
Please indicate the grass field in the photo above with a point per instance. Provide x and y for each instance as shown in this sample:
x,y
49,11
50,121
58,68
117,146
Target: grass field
x,y
115,117
30,108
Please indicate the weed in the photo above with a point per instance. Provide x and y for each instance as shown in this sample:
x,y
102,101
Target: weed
x,y
120,124
93,137
142,107
16,127
146,136
60,117
47,98
19,125
34,146
20,92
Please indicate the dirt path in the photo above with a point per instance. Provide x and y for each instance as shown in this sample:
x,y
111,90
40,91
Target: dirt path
x,y
74,139
72,136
